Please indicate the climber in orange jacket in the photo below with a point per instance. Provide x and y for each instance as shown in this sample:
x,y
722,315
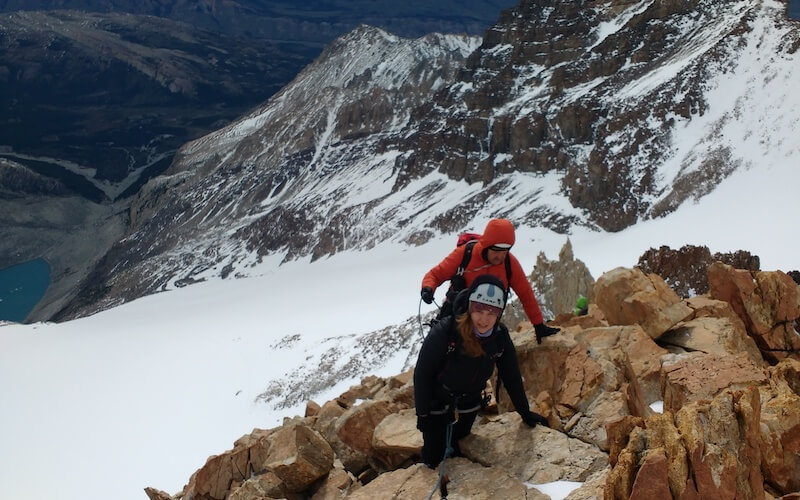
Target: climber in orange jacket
x,y
490,254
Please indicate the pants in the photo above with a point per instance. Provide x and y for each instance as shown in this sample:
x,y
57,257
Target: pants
x,y
434,437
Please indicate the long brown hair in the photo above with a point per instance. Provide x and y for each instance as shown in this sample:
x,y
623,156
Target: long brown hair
x,y
472,346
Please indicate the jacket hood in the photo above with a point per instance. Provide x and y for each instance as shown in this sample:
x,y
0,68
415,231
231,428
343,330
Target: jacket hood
x,y
498,231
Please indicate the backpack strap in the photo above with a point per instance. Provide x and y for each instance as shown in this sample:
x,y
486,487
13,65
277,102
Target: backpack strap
x,y
457,281
468,246
508,274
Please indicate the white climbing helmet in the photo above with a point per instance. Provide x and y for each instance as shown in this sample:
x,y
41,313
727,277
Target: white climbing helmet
x,y
488,294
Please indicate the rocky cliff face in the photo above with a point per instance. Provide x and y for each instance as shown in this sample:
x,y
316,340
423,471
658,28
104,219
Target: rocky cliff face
x,y
628,109
597,92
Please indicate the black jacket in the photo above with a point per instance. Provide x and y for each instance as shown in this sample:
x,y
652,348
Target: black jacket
x,y
440,376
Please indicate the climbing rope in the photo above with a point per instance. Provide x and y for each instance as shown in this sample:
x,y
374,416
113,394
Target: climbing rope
x,y
419,317
441,483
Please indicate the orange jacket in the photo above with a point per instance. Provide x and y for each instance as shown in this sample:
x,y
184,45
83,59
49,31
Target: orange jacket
x,y
497,231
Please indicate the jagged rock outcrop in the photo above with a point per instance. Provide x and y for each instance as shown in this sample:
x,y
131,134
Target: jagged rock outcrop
x,y
730,426
564,280
557,285
583,377
739,443
697,375
709,449
686,269
767,302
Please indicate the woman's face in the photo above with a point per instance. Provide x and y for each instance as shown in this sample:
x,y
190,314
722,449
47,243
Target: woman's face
x,y
483,320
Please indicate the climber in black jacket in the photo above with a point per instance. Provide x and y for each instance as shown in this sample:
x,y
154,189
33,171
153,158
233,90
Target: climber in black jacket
x,y
455,361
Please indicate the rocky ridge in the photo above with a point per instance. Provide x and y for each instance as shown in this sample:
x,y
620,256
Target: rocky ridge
x,y
595,108
726,366
273,187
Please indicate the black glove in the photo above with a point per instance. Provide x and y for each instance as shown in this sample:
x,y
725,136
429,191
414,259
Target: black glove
x,y
426,294
532,419
422,421
543,331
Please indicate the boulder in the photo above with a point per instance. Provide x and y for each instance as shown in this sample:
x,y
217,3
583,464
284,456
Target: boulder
x,y
712,336
591,489
652,479
629,297
722,441
312,408
368,387
299,456
591,376
590,425
357,425
398,434
630,345
780,435
327,418
593,318
696,376
220,472
767,302
262,487
618,431
467,480
403,484
337,485
535,455
402,395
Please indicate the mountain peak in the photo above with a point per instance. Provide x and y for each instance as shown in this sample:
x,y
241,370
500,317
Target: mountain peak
x,y
565,115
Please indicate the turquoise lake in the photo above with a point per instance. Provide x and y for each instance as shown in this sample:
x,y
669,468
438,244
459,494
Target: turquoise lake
x,y
21,288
